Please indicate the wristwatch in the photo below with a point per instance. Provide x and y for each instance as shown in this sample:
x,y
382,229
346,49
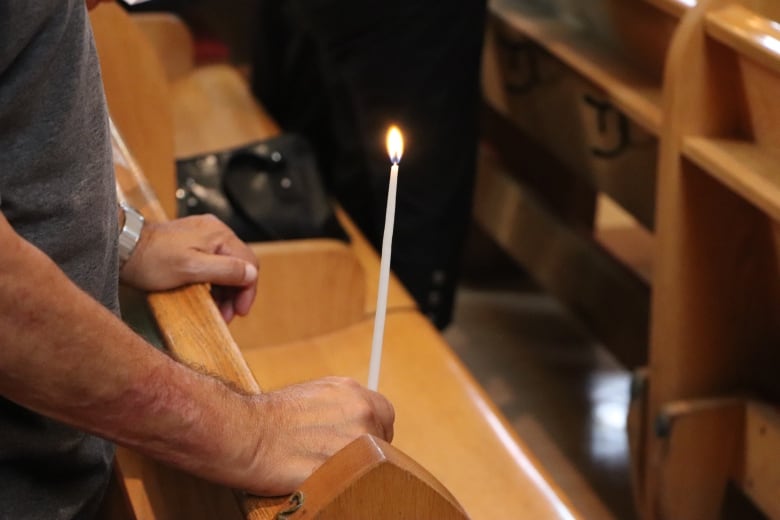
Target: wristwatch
x,y
130,234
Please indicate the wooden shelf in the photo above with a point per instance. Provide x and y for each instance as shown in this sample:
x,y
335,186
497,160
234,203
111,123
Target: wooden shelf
x,y
631,90
748,169
750,34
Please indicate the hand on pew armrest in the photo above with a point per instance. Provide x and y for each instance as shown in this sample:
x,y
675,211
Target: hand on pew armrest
x,y
196,249
279,437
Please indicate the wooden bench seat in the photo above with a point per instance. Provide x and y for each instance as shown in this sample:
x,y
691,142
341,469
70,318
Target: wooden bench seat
x,y
445,420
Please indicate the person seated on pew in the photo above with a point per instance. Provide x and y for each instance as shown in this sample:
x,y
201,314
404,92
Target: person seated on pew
x,y
340,72
71,373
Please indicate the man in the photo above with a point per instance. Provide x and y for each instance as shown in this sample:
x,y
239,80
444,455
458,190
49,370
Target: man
x,y
68,365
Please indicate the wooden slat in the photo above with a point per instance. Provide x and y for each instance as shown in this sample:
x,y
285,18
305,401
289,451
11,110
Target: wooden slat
x,y
607,296
480,459
630,89
748,33
744,167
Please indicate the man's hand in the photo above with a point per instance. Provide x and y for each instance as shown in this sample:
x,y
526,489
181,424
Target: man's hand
x,y
195,249
301,426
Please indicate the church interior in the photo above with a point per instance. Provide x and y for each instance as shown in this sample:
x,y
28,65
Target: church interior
x,y
614,340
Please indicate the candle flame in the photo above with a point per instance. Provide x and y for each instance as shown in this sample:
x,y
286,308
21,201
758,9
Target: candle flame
x,y
395,144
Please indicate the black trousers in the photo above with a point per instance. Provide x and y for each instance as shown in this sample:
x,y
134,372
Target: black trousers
x,y
340,72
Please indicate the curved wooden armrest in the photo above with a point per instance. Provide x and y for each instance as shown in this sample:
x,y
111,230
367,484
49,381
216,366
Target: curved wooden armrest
x,y
374,478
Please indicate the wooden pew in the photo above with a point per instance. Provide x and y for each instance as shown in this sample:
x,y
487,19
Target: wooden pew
x,y
573,118
716,299
444,416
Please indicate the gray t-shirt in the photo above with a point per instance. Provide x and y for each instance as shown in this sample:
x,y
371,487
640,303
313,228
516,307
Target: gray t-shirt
x,y
57,190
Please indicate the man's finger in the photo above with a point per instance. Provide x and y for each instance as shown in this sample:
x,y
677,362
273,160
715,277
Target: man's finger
x,y
224,270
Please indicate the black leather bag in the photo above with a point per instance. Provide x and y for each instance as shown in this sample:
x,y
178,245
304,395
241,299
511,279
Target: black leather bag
x,y
269,190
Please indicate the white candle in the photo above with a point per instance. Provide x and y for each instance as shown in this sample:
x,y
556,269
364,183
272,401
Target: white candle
x,y
395,150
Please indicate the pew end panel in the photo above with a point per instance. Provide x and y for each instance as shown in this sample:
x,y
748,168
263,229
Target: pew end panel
x,y
717,290
375,478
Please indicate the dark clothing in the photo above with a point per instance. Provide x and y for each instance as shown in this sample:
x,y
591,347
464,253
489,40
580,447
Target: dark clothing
x,y
341,72
57,190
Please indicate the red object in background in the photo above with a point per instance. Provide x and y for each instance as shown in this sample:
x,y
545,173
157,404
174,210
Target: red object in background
x,y
209,49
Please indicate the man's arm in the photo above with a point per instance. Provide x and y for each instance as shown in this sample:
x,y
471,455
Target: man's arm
x,y
64,355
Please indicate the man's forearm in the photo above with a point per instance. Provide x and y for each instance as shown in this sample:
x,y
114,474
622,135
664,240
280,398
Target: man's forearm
x,y
64,355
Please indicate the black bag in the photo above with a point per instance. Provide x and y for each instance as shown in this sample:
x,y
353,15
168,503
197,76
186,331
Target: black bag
x,y
269,190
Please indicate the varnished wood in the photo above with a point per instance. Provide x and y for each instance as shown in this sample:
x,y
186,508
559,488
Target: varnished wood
x,y
444,419
368,467
305,288
213,110
398,298
635,91
132,79
158,492
749,33
701,444
565,262
759,474
171,40
743,166
717,282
